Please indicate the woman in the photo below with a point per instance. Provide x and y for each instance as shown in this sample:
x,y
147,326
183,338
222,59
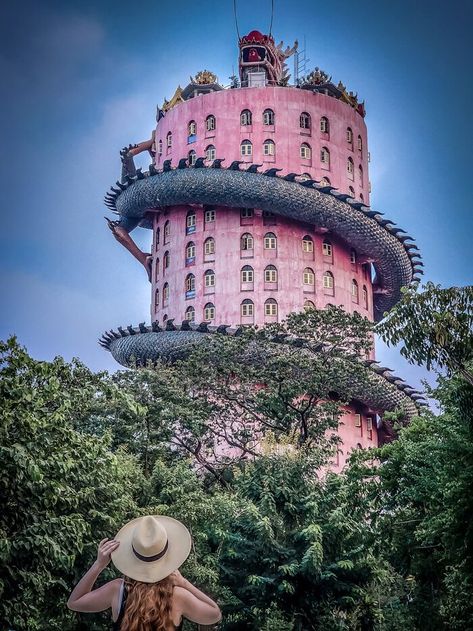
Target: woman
x,y
153,595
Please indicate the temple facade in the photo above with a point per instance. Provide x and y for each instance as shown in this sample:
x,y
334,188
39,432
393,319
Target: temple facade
x,y
258,200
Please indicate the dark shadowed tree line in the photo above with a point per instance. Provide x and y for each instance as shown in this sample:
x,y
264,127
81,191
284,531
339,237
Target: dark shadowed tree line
x,y
386,545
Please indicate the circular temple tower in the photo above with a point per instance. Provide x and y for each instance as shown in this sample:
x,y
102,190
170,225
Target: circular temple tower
x,y
258,200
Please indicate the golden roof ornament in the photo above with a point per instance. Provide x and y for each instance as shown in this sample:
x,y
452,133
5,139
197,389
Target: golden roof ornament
x,y
175,100
204,77
317,77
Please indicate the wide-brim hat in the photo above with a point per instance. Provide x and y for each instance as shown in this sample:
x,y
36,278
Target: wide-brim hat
x,y
151,547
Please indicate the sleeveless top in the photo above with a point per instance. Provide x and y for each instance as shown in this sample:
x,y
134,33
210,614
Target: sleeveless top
x,y
123,597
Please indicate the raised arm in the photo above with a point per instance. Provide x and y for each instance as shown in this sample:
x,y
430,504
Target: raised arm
x,y
82,597
196,606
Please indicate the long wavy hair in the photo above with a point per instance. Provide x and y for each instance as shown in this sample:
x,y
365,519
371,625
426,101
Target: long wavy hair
x,y
148,605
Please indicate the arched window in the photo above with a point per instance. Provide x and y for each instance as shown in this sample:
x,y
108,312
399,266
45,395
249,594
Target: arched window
x,y
209,311
156,268
160,147
304,177
350,168
190,314
349,136
209,246
191,128
246,241
305,151
268,117
365,297
246,148
362,197
351,190
210,122
165,317
360,175
304,120
191,221
324,125
209,278
169,139
270,274
190,286
325,182
157,236
210,153
190,252
325,157
165,294
354,290
327,249
209,215
308,277
247,274
307,243
245,117
308,304
167,231
247,308
269,148
156,298
353,257
166,260
270,307
328,281
192,157
270,241
360,144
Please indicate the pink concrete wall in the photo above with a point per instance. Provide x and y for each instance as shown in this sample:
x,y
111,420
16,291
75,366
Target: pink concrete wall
x,y
287,104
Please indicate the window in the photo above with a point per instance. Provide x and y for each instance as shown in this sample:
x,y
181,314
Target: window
x,y
328,280
361,197
270,241
190,314
246,241
209,311
269,218
247,308
308,304
327,249
269,148
158,234
305,151
247,274
157,269
209,278
365,297
210,122
308,277
307,244
325,181
209,246
165,317
304,121
190,285
354,290
190,252
325,157
245,117
156,298
209,215
369,427
360,144
166,260
268,117
246,148
304,177
191,221
350,168
357,420
160,147
349,136
324,125
270,307
360,175
165,294
353,257
192,157
210,153
270,274
351,190
246,213
169,140
167,231
191,128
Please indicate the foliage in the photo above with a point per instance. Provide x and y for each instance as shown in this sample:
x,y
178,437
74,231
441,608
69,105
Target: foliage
x,y
435,327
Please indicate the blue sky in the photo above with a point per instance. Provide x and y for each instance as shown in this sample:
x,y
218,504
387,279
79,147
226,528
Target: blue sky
x,y
82,79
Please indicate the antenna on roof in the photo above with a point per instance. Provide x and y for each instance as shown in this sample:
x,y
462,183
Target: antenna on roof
x,y
272,15
300,64
236,19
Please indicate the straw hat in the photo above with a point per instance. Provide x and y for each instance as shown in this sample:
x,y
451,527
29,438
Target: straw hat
x,y
151,548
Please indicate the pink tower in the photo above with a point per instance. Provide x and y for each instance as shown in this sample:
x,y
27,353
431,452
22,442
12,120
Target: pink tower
x,y
258,199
